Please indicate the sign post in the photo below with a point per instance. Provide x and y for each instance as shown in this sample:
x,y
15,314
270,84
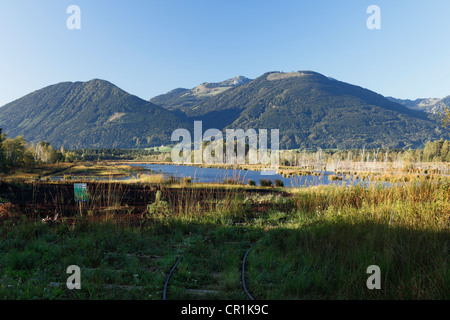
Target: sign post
x,y
80,191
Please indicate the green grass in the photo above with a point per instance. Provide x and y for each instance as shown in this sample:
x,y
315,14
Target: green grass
x,y
315,244
110,255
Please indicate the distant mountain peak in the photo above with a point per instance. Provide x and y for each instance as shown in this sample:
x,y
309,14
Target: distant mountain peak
x,y
236,81
180,98
280,75
429,105
96,81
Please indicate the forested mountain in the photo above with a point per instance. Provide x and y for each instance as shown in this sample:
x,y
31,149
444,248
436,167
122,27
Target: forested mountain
x,y
309,109
94,114
313,110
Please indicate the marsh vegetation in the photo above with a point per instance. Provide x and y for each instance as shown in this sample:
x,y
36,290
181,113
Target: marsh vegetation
x,y
308,243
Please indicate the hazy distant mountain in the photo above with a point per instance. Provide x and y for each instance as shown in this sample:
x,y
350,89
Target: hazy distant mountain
x,y
180,98
313,110
88,114
430,105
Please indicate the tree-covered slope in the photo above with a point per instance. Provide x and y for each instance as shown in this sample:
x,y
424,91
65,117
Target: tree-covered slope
x,y
312,110
88,114
309,109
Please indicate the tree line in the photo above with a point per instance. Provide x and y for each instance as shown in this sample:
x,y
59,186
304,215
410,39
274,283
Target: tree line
x,y
434,151
16,153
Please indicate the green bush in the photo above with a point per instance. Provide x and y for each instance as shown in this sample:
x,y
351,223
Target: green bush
x,y
279,183
265,183
159,208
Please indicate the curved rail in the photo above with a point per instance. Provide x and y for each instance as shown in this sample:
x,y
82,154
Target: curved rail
x,y
243,273
168,278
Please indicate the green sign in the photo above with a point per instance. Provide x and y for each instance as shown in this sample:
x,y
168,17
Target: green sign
x,y
80,190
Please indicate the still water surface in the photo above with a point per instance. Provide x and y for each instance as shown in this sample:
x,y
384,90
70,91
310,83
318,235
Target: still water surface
x,y
214,175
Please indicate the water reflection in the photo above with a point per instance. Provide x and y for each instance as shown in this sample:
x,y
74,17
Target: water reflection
x,y
216,175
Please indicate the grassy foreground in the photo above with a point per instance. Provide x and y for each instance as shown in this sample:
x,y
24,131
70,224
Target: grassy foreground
x,y
315,244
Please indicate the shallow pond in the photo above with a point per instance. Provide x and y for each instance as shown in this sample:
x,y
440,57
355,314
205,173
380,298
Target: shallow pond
x,y
215,175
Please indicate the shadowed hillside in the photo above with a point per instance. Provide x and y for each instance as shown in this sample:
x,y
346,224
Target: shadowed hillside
x,y
88,114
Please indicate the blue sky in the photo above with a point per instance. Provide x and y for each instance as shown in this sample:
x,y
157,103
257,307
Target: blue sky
x,y
150,47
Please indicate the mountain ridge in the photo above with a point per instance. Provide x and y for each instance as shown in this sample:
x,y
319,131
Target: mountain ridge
x,y
179,98
310,109
430,105
94,113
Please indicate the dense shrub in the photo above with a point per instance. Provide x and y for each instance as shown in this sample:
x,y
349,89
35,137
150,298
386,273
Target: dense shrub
x,y
279,183
265,183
